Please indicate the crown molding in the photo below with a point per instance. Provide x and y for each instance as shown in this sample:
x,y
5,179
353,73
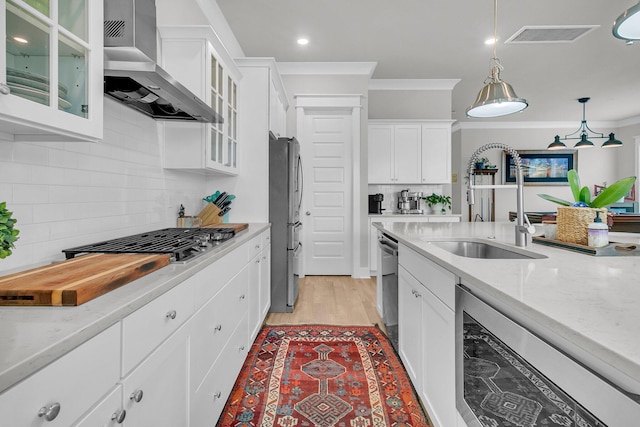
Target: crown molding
x,y
412,84
327,68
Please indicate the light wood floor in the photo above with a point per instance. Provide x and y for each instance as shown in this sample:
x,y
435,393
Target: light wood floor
x,y
332,300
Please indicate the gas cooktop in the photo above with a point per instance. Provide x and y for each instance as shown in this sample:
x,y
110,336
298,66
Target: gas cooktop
x,y
182,244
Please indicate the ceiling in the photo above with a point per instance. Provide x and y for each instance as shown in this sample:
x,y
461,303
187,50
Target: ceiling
x,y
444,39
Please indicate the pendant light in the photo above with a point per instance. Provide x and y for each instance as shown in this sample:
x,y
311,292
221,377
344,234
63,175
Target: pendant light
x,y
497,98
584,130
627,26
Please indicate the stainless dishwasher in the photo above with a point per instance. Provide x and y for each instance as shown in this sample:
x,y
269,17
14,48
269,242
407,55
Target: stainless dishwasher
x,y
387,283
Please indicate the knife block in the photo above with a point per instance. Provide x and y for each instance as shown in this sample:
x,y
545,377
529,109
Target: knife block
x,y
209,215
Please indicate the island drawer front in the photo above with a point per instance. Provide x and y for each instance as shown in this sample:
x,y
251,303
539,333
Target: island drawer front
x,y
215,276
266,239
213,325
76,381
208,401
441,282
146,328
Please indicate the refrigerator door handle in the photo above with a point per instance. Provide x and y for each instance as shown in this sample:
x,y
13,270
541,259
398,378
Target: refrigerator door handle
x,y
301,172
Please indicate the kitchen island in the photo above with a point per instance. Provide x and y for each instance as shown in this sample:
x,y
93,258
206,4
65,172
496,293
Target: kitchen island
x,y
587,306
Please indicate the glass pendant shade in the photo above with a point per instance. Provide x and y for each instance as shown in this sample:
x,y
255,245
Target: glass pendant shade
x,y
627,26
556,144
584,142
496,98
612,142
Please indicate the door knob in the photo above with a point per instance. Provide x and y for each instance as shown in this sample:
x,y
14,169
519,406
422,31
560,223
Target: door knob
x,y
49,412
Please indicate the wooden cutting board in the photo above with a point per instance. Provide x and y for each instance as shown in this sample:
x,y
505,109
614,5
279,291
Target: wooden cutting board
x,y
78,280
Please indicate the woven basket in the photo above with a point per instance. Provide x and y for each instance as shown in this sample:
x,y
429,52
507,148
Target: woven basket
x,y
573,223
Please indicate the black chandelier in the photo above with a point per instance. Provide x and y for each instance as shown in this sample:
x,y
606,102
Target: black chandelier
x,y
583,132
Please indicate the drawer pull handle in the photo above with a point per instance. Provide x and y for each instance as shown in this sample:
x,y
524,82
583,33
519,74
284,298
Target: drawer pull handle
x,y
136,396
257,261
241,348
49,412
217,395
257,247
119,416
172,314
218,328
241,297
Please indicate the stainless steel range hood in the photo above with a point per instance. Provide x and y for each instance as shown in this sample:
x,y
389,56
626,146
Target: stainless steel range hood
x,y
131,74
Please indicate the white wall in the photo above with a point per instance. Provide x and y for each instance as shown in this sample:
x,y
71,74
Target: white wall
x,y
73,193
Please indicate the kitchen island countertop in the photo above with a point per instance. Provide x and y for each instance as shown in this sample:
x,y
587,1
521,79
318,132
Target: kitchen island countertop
x,y
587,305
33,337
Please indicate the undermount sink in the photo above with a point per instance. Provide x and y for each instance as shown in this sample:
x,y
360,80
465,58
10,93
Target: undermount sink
x,y
484,250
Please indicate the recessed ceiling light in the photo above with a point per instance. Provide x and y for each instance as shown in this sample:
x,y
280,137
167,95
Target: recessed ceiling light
x,y
303,41
20,39
490,41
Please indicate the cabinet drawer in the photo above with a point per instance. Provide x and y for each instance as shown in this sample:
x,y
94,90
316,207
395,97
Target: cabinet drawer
x,y
106,412
209,400
266,239
214,324
75,382
214,277
148,327
255,246
435,278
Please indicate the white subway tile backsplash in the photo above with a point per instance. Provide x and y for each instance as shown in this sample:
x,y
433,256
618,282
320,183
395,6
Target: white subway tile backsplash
x,y
72,193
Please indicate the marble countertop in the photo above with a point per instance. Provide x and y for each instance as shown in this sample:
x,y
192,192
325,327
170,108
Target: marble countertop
x,y
588,306
32,337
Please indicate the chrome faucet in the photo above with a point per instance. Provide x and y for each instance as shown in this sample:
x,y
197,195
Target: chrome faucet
x,y
521,229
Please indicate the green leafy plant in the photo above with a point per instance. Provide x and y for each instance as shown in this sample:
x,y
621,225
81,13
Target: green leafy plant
x,y
582,196
437,199
8,234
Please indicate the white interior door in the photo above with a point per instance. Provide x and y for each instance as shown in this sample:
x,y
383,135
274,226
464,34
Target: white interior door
x,y
326,149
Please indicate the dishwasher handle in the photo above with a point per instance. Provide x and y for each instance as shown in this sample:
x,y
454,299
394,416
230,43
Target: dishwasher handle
x,y
387,245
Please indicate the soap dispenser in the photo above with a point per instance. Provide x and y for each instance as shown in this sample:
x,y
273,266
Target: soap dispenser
x,y
598,233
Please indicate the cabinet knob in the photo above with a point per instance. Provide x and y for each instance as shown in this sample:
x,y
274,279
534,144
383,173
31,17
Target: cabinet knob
x,y
264,258
217,395
241,348
308,213
172,314
49,412
242,297
257,261
218,328
119,416
136,396
257,247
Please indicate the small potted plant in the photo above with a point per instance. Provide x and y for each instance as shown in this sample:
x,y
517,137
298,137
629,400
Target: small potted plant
x,y
438,203
482,163
8,234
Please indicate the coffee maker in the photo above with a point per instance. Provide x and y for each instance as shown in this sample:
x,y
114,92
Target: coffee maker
x,y
409,202
375,203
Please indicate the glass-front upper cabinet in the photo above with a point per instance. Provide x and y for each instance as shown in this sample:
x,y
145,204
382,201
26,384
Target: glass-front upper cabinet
x,y
51,70
196,58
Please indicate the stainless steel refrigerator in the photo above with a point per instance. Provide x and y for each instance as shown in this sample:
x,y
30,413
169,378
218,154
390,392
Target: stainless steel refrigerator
x,y
285,200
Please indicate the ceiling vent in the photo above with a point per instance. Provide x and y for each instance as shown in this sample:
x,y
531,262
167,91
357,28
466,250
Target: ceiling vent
x,y
550,34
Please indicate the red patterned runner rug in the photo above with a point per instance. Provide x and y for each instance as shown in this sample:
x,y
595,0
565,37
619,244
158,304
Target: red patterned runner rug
x,y
322,376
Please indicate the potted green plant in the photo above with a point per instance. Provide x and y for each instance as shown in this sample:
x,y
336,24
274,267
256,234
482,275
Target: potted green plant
x,y
582,195
574,217
482,163
438,203
8,234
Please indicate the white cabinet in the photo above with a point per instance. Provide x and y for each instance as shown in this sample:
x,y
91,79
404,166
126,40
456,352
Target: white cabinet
x,y
436,153
156,393
394,154
61,392
108,413
259,284
426,321
195,56
409,152
52,64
